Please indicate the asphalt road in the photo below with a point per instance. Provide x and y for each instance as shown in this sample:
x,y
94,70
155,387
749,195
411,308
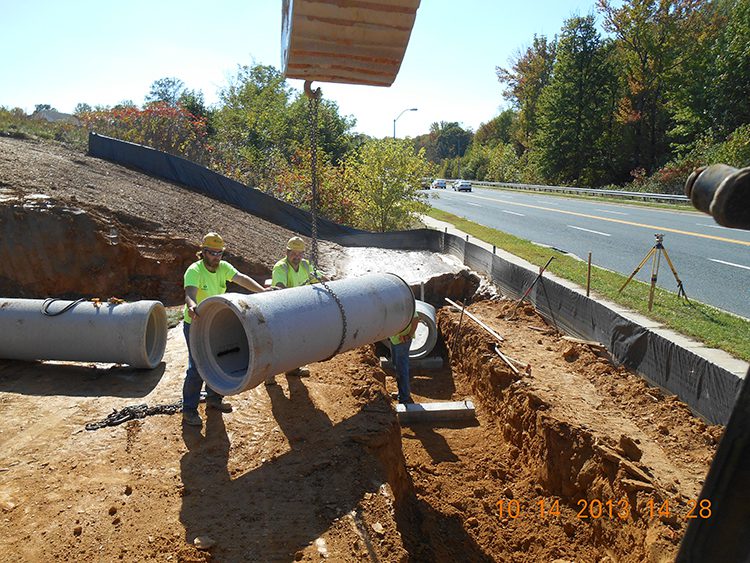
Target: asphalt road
x,y
712,261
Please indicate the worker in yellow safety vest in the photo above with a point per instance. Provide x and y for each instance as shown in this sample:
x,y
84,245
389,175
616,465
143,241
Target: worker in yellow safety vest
x,y
293,271
204,278
400,345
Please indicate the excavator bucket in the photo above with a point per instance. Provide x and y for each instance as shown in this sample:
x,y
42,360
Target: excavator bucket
x,y
345,41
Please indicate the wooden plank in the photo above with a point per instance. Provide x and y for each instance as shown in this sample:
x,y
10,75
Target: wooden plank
x,y
358,41
476,320
433,412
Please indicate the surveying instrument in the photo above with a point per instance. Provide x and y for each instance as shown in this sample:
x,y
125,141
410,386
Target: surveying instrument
x,y
657,251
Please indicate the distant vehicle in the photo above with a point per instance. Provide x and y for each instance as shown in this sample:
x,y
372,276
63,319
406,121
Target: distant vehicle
x,y
462,186
439,184
425,183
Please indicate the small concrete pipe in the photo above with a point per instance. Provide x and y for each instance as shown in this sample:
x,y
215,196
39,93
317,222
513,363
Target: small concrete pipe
x,y
426,335
124,333
238,341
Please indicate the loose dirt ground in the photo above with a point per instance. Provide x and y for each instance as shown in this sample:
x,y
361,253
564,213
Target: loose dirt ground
x,y
573,460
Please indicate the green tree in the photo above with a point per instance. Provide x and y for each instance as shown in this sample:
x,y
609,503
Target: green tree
x,y
165,90
575,106
527,76
42,107
385,175
729,77
504,165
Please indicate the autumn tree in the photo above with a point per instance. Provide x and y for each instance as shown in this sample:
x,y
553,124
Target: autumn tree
x,y
654,39
529,73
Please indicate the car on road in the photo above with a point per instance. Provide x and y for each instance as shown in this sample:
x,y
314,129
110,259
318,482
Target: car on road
x,y
462,186
438,183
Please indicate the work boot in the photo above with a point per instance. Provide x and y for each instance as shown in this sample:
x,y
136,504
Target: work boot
x,y
218,405
303,371
191,418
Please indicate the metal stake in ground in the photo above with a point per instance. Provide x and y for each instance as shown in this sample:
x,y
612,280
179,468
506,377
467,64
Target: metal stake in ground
x,y
536,279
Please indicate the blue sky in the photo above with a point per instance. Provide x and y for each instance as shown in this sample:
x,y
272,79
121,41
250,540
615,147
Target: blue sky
x,y
101,53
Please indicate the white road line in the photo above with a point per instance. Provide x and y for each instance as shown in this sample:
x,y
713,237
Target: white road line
x,y
512,213
613,212
730,264
714,226
590,231
474,204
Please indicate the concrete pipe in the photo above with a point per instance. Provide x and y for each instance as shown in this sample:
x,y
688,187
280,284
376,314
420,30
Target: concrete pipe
x,y
238,341
723,192
426,335
124,333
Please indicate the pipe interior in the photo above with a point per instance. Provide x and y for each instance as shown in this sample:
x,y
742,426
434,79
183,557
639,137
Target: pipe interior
x,y
156,335
228,346
420,336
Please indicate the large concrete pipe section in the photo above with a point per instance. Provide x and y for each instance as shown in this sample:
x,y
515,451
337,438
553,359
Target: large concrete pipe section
x,y
426,334
123,333
238,340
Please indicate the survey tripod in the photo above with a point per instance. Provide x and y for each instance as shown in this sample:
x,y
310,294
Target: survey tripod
x,y
656,251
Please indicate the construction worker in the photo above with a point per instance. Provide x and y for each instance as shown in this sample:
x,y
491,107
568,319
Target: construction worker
x,y
204,278
400,344
293,271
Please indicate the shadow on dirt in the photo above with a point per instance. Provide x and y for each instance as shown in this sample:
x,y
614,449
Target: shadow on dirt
x,y
40,379
289,501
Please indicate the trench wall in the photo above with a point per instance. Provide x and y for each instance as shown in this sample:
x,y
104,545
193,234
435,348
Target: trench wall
x,y
707,388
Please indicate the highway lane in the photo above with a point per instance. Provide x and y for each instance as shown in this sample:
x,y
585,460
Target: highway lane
x,y
713,262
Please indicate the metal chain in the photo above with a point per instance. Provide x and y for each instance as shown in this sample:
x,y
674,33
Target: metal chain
x,y
134,411
313,102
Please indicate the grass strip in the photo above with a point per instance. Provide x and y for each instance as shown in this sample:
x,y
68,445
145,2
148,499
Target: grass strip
x,y
715,328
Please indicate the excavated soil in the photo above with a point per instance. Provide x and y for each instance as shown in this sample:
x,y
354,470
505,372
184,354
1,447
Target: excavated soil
x,y
570,458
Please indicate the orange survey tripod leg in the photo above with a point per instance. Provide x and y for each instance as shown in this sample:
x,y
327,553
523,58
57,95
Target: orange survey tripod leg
x,y
638,268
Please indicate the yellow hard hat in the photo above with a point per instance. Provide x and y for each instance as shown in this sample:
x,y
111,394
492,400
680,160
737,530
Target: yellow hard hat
x,y
213,241
296,244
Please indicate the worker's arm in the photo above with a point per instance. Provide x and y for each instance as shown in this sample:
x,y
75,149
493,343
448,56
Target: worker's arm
x,y
247,282
191,300
414,325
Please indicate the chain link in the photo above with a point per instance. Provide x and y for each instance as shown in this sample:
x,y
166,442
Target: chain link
x,y
134,411
313,103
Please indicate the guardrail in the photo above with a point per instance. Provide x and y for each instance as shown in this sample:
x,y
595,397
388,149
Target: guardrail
x,y
673,198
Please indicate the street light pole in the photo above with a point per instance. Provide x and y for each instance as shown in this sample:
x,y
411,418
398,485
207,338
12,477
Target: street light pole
x,y
399,115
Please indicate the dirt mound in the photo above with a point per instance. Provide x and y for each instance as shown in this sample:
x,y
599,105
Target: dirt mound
x,y
570,457
73,225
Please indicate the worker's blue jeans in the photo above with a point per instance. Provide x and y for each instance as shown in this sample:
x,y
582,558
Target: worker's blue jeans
x,y
191,389
400,360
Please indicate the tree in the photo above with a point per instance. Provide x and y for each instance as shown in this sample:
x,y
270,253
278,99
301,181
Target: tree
x,y
655,38
729,76
386,175
252,124
165,90
497,130
575,105
529,73
82,108
43,107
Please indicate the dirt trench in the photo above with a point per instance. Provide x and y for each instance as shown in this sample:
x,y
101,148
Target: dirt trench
x,y
573,459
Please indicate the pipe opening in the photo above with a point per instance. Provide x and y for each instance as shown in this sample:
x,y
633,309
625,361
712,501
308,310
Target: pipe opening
x,y
155,336
225,348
